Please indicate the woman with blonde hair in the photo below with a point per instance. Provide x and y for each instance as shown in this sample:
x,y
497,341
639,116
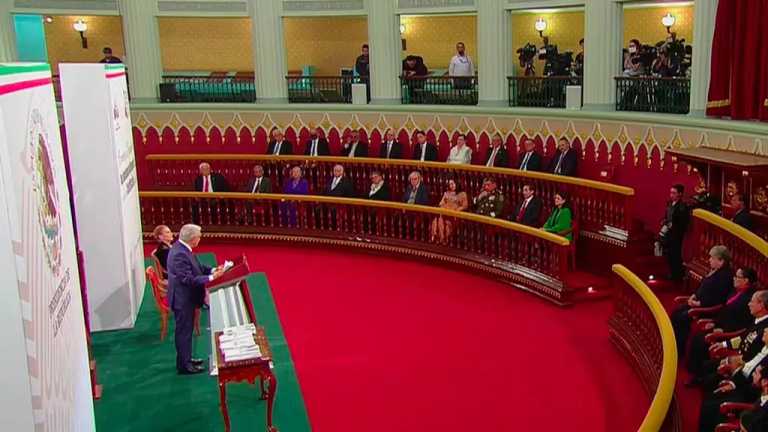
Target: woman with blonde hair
x,y
453,199
164,237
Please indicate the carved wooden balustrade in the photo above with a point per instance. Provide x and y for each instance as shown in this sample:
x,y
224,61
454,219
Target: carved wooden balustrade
x,y
747,249
641,330
524,257
595,204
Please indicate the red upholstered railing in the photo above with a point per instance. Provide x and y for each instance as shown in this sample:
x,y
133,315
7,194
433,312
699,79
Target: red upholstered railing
x,y
747,249
525,257
595,204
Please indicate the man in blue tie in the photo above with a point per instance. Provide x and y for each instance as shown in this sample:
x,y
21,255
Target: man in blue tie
x,y
186,292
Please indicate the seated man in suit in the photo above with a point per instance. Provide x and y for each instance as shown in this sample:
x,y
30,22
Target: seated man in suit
x,y
340,185
529,211
279,145
497,155
390,148
355,148
256,185
565,160
186,292
741,216
379,190
317,145
208,181
416,192
490,201
530,160
424,151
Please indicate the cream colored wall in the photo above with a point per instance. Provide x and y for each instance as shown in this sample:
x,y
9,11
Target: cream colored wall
x,y
206,44
434,37
64,45
327,43
645,25
564,29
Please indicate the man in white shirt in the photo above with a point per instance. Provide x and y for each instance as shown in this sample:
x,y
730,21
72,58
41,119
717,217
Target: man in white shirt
x,y
461,66
279,145
355,148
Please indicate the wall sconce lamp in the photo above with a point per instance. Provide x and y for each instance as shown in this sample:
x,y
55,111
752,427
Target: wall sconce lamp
x,y
48,19
668,21
403,44
80,26
540,26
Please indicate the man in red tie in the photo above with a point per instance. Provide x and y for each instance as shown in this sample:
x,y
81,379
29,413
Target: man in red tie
x,y
209,182
528,212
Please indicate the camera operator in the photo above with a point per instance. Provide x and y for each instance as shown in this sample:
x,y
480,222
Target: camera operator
x,y
662,65
633,64
526,55
578,63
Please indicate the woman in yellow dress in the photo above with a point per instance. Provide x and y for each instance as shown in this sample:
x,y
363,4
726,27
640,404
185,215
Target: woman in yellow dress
x,y
453,199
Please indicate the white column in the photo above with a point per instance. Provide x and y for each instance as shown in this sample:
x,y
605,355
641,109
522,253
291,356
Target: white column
x,y
704,13
269,50
602,53
7,40
142,47
493,52
385,51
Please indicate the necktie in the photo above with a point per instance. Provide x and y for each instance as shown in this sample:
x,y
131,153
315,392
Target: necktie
x,y
314,148
389,148
559,163
335,182
522,211
277,147
256,185
524,165
423,151
206,184
492,159
352,150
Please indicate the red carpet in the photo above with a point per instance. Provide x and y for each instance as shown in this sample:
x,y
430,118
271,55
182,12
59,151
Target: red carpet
x,y
385,345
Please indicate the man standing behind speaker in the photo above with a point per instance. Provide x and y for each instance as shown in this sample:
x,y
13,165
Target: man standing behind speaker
x,y
186,292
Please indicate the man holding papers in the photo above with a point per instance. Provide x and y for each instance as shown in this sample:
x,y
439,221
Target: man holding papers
x,y
186,292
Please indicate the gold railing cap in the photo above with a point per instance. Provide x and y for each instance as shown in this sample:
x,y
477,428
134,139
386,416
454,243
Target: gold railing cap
x,y
552,238
608,187
745,235
657,412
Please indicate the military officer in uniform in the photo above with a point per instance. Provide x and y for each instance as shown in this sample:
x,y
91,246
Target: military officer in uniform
x,y
490,202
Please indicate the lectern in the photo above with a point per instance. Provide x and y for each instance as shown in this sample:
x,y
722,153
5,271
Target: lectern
x,y
231,305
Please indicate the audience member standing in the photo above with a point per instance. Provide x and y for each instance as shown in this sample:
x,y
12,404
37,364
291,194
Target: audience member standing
x,y
530,160
108,57
390,148
460,153
424,151
461,66
497,155
279,145
565,160
672,231
317,145
361,64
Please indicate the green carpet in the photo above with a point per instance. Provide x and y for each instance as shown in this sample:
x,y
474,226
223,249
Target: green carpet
x,y
142,391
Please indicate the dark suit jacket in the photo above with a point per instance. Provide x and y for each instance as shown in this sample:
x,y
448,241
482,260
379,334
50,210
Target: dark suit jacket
x,y
743,219
322,147
678,215
161,253
422,195
381,195
395,153
534,162
186,278
502,157
751,342
715,288
736,316
360,151
264,187
285,149
344,189
568,166
430,154
218,182
532,214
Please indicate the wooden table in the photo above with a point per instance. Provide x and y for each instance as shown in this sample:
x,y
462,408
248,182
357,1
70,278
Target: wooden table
x,y
248,371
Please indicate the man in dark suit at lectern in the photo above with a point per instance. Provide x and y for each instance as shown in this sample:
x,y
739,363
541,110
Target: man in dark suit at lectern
x,y
186,292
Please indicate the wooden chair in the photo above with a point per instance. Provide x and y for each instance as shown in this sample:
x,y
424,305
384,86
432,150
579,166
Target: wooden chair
x,y
161,300
732,410
574,231
162,289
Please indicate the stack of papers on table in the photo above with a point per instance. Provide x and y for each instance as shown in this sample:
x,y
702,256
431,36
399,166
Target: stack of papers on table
x,y
237,343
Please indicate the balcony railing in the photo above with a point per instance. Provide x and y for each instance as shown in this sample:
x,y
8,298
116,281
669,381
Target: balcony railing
x,y
543,92
649,94
180,88
321,89
444,90
526,257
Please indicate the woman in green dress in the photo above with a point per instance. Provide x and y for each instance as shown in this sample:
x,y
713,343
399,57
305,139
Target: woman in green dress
x,y
560,221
